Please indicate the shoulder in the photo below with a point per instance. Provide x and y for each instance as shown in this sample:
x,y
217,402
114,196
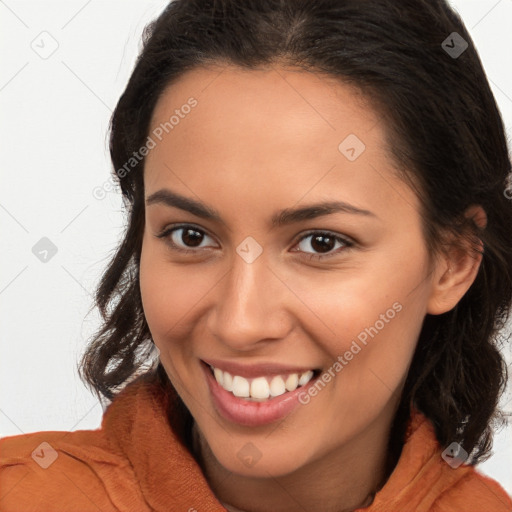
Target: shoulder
x,y
424,480
470,491
84,470
72,471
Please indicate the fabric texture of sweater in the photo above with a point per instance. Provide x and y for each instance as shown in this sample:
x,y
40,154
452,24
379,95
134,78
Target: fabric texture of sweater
x,y
135,462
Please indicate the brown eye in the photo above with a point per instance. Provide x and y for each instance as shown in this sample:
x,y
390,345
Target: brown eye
x,y
183,238
323,244
190,237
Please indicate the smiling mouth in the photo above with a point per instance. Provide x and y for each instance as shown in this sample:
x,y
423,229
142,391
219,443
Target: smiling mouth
x,y
262,388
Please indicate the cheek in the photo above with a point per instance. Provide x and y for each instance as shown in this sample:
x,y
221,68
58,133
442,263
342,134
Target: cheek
x,y
368,357
170,293
157,297
368,321
364,307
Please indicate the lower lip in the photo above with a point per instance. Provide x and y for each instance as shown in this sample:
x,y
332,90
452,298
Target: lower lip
x,y
248,413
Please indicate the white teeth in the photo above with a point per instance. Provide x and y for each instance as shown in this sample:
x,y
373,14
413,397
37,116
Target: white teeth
x,y
240,386
227,383
261,388
218,375
305,378
292,382
277,386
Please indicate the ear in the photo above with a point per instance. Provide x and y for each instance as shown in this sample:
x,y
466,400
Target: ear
x,y
457,268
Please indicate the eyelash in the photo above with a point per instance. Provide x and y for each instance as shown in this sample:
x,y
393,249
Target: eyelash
x,y
349,244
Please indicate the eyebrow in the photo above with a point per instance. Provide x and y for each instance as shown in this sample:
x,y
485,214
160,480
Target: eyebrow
x,y
282,218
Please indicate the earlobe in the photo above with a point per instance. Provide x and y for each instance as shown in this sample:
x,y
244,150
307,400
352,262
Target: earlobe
x,y
477,214
457,269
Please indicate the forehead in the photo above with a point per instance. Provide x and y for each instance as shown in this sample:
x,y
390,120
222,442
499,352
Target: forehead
x,y
295,103
274,131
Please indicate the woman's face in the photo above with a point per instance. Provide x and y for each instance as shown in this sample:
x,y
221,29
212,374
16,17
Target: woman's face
x,y
289,246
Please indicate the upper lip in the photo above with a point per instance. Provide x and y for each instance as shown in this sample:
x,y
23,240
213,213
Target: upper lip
x,y
256,370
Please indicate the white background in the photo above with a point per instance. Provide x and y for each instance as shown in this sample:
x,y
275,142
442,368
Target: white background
x,y
53,129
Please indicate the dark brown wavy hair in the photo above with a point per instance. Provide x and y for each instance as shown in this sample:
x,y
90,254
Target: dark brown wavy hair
x,y
446,137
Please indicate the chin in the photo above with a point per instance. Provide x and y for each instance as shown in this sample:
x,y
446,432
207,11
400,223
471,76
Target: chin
x,y
259,458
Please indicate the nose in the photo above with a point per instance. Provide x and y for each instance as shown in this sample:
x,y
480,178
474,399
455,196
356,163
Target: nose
x,y
251,306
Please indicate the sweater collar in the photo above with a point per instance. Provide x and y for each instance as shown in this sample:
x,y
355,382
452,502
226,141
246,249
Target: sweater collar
x,y
136,425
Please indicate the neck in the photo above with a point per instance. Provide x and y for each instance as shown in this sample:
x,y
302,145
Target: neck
x,y
340,481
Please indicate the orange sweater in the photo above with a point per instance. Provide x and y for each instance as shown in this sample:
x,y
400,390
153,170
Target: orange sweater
x,y
135,462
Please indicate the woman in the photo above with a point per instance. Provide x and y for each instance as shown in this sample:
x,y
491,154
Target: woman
x,y
319,250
